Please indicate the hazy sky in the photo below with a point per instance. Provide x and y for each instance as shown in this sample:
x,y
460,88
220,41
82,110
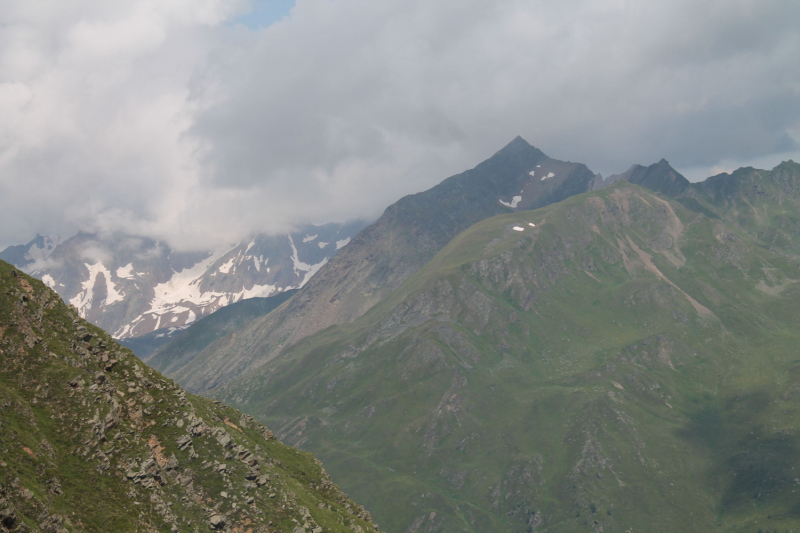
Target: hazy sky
x,y
200,121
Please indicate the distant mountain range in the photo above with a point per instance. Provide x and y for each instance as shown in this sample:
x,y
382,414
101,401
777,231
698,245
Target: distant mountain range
x,y
132,286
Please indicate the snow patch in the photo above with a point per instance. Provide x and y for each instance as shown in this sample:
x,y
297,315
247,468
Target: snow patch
x,y
309,238
125,272
514,201
549,175
121,332
531,173
517,228
341,244
171,297
298,265
256,291
253,243
531,224
323,244
84,300
49,281
310,270
226,268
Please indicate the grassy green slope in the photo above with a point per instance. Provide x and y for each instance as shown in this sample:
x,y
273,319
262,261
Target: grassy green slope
x,y
765,203
625,365
93,440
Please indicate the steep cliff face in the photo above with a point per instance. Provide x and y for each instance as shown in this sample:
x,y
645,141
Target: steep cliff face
x,y
91,439
385,254
613,362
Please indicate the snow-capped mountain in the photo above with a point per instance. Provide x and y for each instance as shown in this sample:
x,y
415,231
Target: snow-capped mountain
x,y
132,285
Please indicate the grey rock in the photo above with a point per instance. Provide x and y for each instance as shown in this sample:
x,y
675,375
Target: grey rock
x,y
224,439
217,521
172,463
8,517
183,442
113,416
197,427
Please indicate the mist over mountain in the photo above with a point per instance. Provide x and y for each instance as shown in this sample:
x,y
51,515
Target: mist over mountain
x,y
383,255
131,286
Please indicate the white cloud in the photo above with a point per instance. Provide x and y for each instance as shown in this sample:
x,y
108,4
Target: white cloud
x,y
165,118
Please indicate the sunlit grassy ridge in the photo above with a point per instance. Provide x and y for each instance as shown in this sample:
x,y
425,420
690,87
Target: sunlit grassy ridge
x,y
627,363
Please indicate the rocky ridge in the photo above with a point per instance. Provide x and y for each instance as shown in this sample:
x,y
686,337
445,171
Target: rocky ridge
x,y
94,440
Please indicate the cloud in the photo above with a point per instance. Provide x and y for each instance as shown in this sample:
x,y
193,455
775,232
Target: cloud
x,y
171,120
95,254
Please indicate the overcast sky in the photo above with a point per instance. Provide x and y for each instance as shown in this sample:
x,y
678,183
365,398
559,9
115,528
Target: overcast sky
x,y
201,121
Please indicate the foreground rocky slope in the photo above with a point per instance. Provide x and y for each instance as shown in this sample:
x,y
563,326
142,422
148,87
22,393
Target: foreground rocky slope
x,y
377,261
613,362
91,439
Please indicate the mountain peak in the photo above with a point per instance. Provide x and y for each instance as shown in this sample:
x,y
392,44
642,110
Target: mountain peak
x,y
519,146
659,177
